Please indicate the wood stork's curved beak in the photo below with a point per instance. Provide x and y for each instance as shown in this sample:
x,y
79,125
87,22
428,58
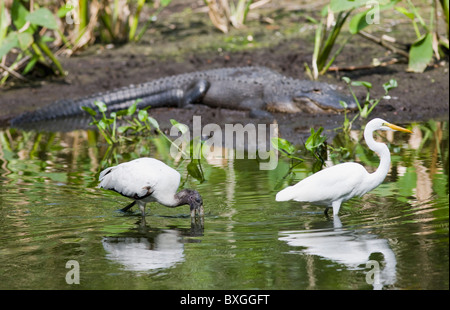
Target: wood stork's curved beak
x,y
198,211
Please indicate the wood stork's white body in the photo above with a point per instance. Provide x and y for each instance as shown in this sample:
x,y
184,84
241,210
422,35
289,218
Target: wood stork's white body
x,y
334,185
148,180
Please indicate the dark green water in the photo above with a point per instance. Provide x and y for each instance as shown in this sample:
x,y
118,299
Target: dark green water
x,y
51,213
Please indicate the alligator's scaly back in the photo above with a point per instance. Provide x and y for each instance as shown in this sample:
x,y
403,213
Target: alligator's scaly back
x,y
246,88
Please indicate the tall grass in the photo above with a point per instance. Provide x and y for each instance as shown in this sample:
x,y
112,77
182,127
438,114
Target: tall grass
x,y
418,53
226,13
24,40
31,35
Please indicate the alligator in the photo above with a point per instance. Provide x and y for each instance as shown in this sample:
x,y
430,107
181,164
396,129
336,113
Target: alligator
x,y
255,89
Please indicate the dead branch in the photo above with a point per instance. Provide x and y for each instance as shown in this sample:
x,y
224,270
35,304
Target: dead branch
x,y
383,43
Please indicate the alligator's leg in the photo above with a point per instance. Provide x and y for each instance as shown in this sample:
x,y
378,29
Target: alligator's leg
x,y
256,106
257,113
195,93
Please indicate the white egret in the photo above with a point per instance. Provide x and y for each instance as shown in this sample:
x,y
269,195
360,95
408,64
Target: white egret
x,y
332,186
147,180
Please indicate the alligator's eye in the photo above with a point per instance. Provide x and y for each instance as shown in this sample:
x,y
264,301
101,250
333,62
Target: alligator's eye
x,y
312,90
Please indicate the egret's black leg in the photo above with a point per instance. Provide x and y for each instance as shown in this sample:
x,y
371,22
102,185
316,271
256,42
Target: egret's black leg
x,y
326,211
128,207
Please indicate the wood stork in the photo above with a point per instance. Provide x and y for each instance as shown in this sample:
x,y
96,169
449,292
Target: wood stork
x,y
147,180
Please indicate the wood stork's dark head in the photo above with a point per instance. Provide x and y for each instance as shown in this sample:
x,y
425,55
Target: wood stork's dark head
x,y
193,199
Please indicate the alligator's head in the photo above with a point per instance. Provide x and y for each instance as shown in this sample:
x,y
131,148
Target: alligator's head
x,y
312,97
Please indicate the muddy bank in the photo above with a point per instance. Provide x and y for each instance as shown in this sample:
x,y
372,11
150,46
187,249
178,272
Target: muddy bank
x,y
419,97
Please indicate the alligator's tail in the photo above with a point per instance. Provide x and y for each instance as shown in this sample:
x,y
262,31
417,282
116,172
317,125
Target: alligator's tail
x,y
115,100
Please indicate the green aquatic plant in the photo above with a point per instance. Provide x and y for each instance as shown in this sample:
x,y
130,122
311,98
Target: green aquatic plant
x,y
194,167
136,124
316,145
107,126
366,106
362,14
286,148
427,43
139,124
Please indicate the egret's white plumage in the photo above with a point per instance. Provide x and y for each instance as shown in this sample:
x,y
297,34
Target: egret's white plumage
x,y
147,180
334,185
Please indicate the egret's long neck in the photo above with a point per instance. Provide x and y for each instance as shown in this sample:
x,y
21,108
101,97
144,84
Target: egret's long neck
x,y
377,177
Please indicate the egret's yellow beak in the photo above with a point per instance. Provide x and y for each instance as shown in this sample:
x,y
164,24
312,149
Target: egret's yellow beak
x,y
397,128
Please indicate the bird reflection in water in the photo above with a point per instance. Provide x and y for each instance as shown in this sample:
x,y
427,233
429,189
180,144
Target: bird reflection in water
x,y
145,250
352,248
